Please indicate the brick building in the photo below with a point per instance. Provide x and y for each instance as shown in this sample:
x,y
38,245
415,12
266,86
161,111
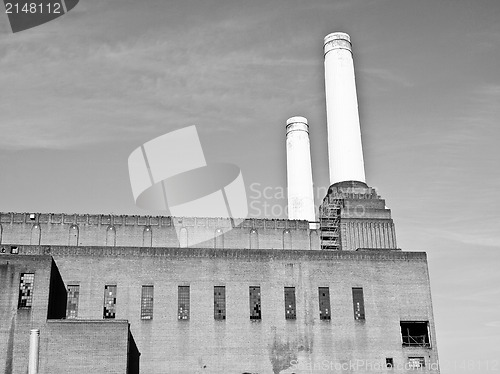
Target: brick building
x,y
115,294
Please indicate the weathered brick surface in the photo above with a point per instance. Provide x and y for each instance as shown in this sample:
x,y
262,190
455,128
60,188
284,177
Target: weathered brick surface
x,y
15,324
83,347
65,346
131,251
135,231
395,284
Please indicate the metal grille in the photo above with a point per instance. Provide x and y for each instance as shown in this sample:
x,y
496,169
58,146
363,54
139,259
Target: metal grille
x,y
147,302
358,303
183,299
324,303
109,301
219,302
416,362
72,304
290,307
26,290
255,307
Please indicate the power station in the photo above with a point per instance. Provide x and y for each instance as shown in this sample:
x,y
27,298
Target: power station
x,y
86,293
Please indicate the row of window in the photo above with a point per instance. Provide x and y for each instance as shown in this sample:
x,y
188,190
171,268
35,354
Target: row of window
x,y
183,299
147,237
414,333
147,296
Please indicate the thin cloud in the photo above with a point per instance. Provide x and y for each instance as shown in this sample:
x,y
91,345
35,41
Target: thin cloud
x,y
386,76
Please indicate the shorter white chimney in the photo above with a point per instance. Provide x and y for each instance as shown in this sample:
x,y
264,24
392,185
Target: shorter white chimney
x,y
299,172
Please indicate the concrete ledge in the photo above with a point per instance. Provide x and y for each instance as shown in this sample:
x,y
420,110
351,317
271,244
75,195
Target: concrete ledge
x,y
251,254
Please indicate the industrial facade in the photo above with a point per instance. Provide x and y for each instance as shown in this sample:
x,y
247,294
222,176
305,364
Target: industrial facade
x,y
129,294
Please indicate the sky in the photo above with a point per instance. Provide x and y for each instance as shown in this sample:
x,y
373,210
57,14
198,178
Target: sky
x,y
80,93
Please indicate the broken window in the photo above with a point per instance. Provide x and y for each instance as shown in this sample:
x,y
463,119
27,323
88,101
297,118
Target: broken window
x,y
72,303
147,302
290,307
183,299
109,301
358,303
324,303
26,290
219,302
415,334
255,308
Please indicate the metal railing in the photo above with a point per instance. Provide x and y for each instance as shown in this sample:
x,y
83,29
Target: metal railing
x,y
416,341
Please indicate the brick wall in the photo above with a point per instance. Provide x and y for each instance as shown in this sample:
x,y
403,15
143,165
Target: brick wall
x,y
395,285
84,347
15,324
146,231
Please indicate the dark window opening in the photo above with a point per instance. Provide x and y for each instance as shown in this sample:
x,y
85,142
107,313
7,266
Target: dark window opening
x,y
255,307
219,302
183,299
26,290
358,303
147,302
324,303
109,301
290,307
389,362
415,334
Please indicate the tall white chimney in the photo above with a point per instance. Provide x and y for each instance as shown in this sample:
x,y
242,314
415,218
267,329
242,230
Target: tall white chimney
x,y
299,173
345,153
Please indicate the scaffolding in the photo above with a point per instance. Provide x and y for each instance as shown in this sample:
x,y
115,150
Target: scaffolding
x,y
330,223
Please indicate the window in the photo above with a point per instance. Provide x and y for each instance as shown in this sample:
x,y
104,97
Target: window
x,y
219,302
72,304
287,239
147,302
73,235
219,239
290,307
324,303
254,239
416,362
358,303
183,238
109,301
110,236
389,362
147,237
183,299
26,290
415,334
255,308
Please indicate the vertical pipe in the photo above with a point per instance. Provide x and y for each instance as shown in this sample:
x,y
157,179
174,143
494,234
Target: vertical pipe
x,y
345,152
299,170
33,353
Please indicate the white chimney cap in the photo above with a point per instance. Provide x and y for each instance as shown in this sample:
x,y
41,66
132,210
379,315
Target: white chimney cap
x,y
337,36
296,119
